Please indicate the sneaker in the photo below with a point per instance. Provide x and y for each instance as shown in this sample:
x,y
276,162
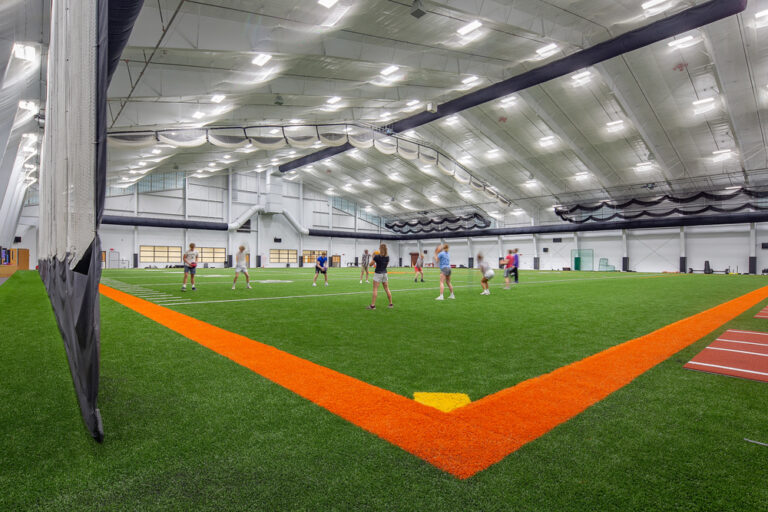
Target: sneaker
x,y
194,289
233,287
422,280
415,280
183,288
361,281
451,296
366,281
326,284
314,284
370,307
249,287
506,287
440,298
391,306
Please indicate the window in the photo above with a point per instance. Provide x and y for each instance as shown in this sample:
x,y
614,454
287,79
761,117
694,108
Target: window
x,y
311,256
159,254
212,254
283,256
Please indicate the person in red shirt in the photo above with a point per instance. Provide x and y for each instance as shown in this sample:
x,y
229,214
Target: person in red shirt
x,y
513,261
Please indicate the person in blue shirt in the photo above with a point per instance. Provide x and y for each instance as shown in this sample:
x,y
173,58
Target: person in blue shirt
x,y
321,267
443,260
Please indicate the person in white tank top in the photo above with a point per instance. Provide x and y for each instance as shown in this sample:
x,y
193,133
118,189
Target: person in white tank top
x,y
240,266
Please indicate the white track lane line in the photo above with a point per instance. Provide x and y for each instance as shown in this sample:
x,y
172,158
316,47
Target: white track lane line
x,y
737,351
749,332
367,292
727,368
744,342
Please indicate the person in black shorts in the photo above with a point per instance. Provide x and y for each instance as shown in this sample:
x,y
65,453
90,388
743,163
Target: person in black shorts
x,y
381,261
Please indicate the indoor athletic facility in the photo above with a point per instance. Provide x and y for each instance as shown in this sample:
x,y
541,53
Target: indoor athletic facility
x,y
384,255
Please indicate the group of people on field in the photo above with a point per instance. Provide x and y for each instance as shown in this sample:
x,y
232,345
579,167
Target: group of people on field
x,y
380,262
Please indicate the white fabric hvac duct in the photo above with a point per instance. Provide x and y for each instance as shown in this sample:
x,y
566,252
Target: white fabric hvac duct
x,y
303,137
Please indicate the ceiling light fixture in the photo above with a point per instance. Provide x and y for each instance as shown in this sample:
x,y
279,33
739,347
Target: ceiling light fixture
x,y
547,141
721,155
469,27
581,175
508,100
469,80
261,59
333,100
451,120
24,52
273,131
327,3
218,98
389,70
410,133
683,42
198,115
156,151
547,50
703,101
413,103
227,157
531,183
582,75
644,166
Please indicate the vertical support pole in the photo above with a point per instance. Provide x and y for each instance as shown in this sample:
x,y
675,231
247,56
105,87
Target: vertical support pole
x,y
470,254
683,258
752,248
536,260
501,248
135,228
185,205
624,251
229,252
301,217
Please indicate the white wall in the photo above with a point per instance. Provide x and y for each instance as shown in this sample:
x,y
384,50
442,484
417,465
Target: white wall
x,y
649,250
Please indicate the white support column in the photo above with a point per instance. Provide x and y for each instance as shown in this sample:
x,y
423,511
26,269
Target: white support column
x,y
301,218
330,212
501,248
135,228
752,240
185,204
228,218
469,250
682,242
624,244
535,240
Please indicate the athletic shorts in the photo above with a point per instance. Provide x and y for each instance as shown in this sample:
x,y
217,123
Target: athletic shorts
x,y
446,271
190,270
508,271
319,271
380,278
418,269
364,267
241,269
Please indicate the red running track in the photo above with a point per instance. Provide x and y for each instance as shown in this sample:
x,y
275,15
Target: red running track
x,y
736,353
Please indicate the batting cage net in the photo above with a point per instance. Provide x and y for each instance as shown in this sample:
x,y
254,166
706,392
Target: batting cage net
x,y
86,39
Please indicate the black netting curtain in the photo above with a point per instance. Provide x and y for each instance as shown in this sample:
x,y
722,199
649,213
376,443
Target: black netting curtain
x,y
87,37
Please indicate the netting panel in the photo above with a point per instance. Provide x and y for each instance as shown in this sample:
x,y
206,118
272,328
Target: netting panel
x,y
68,161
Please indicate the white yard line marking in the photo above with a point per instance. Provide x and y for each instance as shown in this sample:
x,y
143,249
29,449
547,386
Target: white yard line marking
x,y
745,342
749,332
737,351
756,442
367,292
727,368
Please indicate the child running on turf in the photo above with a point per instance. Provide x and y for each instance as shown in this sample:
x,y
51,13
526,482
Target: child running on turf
x,y
419,268
190,267
321,267
486,272
381,260
364,266
240,267
443,260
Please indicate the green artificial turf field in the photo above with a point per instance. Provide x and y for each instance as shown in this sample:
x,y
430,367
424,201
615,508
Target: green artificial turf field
x,y
187,429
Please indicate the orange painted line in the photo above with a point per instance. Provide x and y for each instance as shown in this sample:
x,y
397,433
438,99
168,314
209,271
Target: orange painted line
x,y
471,438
